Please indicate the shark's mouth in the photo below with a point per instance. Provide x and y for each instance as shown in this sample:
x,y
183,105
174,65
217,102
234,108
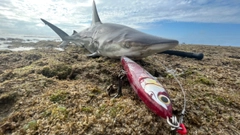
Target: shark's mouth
x,y
135,51
162,46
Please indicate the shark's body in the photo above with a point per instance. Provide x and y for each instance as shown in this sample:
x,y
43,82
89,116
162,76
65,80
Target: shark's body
x,y
114,40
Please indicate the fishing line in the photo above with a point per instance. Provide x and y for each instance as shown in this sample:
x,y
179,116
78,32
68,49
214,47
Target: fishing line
x,y
174,123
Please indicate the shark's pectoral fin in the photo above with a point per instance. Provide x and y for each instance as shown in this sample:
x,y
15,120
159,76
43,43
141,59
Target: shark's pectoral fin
x,y
64,44
93,55
77,43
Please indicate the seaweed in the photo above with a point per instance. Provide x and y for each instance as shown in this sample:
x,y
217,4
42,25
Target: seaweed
x,y
59,96
45,91
61,71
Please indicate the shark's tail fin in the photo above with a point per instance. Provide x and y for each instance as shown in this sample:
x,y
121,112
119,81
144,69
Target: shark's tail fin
x,y
64,36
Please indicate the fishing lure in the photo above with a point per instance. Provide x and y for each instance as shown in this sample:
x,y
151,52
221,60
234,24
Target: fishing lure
x,y
152,93
148,88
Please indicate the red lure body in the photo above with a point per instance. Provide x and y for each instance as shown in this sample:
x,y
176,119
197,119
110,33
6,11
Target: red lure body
x,y
148,88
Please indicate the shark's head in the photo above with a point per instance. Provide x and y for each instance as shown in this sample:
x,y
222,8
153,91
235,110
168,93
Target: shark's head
x,y
146,44
125,41
119,40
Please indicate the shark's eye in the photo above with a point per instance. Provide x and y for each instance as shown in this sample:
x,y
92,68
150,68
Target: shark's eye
x,y
164,99
126,45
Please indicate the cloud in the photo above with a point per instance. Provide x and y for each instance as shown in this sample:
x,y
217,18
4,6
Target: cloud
x,y
24,15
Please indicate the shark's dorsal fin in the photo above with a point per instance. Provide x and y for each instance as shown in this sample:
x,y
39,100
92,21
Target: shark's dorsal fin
x,y
95,17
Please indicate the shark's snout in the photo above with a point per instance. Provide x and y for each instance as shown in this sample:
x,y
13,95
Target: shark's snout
x,y
148,43
146,39
170,42
163,45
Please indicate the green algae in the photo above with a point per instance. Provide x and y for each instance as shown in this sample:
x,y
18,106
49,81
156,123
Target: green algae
x,y
32,125
61,71
59,96
205,80
59,112
87,109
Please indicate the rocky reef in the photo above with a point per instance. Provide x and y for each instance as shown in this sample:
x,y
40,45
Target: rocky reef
x,y
46,91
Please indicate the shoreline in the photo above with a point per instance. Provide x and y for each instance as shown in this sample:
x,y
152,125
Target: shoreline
x,y
35,38
23,44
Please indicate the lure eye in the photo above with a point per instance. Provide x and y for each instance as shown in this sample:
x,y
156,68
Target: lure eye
x,y
164,99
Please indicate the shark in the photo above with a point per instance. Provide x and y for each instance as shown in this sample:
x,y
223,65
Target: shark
x,y
114,40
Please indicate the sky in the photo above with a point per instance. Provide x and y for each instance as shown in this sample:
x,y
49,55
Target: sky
x,y
211,22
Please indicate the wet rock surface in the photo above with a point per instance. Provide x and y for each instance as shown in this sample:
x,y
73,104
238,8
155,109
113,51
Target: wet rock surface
x,y
45,91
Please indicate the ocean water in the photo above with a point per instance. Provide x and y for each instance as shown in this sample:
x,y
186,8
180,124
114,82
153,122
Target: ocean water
x,y
7,40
